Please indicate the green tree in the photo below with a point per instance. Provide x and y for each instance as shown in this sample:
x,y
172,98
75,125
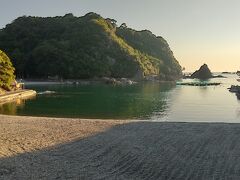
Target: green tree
x,y
6,72
85,47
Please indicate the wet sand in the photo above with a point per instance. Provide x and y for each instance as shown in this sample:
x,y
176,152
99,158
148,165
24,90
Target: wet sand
x,y
51,148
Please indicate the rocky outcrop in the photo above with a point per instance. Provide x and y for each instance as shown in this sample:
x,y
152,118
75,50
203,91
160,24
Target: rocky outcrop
x,y
203,73
118,81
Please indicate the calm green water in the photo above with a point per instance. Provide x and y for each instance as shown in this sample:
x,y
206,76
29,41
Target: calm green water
x,y
163,102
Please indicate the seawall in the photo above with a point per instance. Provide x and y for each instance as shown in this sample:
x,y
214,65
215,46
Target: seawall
x,y
21,94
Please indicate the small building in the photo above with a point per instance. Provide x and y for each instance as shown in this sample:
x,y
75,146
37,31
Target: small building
x,y
15,85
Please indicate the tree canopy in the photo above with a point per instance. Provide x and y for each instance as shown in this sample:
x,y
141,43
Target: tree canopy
x,y
85,47
6,72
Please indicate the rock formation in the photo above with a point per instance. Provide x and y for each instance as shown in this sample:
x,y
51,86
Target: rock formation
x,y
203,73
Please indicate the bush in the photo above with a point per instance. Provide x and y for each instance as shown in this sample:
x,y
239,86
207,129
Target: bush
x,y
6,72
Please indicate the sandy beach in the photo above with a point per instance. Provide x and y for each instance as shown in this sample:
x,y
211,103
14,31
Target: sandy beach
x,y
51,148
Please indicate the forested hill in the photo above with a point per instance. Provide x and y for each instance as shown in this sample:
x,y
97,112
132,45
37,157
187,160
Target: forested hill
x,y
85,47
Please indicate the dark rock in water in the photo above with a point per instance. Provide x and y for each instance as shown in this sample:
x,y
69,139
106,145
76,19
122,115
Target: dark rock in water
x,y
219,76
238,95
152,78
225,72
234,89
197,84
114,81
203,73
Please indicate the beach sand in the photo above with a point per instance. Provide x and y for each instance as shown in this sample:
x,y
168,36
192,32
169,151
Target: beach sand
x,y
52,148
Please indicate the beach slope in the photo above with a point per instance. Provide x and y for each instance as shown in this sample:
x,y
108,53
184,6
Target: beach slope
x,y
50,148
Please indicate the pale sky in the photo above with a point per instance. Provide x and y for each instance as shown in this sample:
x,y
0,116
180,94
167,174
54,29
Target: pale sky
x,y
198,31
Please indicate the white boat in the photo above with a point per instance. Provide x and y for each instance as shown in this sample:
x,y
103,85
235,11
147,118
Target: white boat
x,y
47,92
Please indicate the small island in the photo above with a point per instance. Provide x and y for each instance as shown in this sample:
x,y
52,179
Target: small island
x,y
203,73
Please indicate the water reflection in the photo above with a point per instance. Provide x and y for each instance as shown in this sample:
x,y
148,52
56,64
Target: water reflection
x,y
141,101
12,107
9,108
162,102
146,101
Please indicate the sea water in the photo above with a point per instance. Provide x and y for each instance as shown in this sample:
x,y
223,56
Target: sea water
x,y
142,101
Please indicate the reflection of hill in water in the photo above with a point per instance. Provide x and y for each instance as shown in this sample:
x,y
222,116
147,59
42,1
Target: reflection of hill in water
x,y
11,108
97,101
163,102
145,101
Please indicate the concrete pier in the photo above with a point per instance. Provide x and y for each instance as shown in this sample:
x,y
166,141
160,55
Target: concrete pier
x,y
20,94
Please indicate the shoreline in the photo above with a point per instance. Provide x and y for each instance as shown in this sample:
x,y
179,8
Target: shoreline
x,y
74,119
65,148
14,95
55,118
106,80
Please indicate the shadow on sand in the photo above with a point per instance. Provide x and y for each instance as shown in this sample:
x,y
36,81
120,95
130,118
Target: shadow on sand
x,y
139,150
